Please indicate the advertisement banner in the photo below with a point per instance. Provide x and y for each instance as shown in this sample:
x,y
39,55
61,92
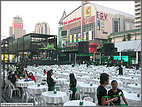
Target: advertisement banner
x,y
79,37
70,38
18,25
84,39
74,37
98,26
90,35
11,56
88,11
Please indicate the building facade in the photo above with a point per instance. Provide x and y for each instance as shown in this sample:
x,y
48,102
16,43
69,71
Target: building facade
x,y
17,30
135,34
99,23
42,28
137,22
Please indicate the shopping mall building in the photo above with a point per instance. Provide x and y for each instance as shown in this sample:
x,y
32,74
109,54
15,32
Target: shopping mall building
x,y
99,23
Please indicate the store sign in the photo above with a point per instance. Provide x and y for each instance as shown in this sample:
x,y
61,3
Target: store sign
x,y
101,16
88,11
75,19
18,25
88,20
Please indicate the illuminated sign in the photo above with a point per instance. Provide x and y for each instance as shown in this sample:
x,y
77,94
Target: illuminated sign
x,y
70,38
98,27
79,37
74,37
18,25
101,16
11,56
125,58
84,39
85,2
88,11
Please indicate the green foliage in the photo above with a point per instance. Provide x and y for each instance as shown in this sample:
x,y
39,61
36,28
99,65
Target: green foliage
x,y
109,39
129,37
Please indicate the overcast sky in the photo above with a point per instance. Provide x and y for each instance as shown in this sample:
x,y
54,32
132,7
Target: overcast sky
x,y
33,12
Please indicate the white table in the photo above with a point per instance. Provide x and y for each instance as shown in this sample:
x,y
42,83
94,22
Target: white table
x,y
77,103
131,96
34,89
23,83
59,97
60,80
88,88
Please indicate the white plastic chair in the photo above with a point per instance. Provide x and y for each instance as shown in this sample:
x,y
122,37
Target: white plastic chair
x,y
69,94
12,88
6,84
42,101
36,100
57,87
88,99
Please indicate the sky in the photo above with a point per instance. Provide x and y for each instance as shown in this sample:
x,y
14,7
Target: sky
x,y
33,12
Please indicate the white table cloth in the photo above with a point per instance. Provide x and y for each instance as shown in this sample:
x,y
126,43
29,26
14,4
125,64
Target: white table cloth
x,y
23,83
59,97
34,89
60,80
77,103
132,96
134,87
88,88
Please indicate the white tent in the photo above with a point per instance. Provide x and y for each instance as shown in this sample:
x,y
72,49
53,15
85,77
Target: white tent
x,y
128,45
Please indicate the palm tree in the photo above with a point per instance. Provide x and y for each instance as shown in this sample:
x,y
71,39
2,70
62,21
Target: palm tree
x,y
109,39
129,37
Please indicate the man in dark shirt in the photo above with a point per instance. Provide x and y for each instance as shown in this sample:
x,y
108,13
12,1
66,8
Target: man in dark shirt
x,y
115,92
102,92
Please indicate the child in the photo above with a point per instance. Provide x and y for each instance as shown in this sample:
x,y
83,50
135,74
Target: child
x,y
32,76
115,92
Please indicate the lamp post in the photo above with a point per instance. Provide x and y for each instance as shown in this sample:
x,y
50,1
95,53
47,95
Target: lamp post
x,y
82,19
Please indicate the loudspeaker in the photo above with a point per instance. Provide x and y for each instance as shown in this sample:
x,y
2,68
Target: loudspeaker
x,y
83,47
108,49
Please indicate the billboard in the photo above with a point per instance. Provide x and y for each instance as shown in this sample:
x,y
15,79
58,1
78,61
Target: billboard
x,y
98,24
70,38
79,37
11,56
18,25
84,39
74,37
88,11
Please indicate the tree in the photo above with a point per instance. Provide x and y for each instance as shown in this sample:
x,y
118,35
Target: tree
x,y
109,39
129,37
124,38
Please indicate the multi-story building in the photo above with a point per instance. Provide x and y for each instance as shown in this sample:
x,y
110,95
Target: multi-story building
x,y
42,28
137,21
99,23
17,30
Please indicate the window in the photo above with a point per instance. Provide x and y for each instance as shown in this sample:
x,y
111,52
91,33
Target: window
x,y
115,26
137,13
137,5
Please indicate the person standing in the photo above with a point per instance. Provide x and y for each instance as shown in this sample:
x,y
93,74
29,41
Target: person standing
x,y
72,85
102,92
50,81
115,92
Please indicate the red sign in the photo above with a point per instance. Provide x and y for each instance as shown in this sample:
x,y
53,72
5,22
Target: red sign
x,y
101,16
18,25
75,19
